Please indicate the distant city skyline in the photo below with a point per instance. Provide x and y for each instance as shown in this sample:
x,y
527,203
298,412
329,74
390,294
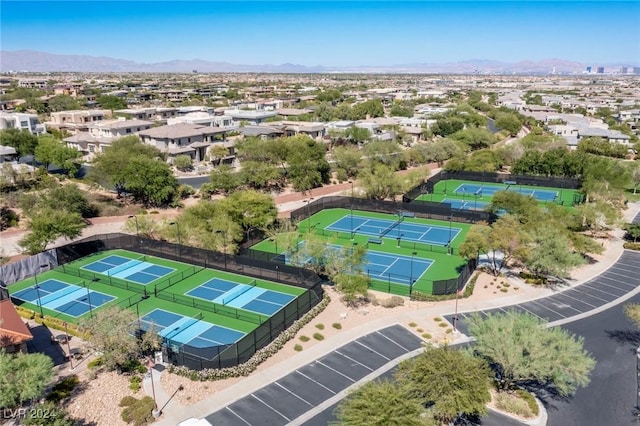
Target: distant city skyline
x,y
331,33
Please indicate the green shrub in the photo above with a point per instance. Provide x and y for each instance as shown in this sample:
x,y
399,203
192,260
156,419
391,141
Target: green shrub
x,y
392,302
318,336
437,319
531,400
426,336
448,331
514,404
95,363
419,330
137,411
304,338
134,383
320,326
412,324
504,290
337,326
443,324
631,246
297,348
63,389
468,290
133,366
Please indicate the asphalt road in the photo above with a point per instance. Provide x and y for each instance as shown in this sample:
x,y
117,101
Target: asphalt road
x,y
611,396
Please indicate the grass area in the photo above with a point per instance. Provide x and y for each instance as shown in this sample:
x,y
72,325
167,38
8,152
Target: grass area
x,y
445,266
446,189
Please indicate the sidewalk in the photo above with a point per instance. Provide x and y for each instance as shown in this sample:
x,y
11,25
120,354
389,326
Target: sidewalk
x,y
175,412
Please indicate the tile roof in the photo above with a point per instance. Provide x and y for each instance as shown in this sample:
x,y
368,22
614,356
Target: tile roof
x,y
13,330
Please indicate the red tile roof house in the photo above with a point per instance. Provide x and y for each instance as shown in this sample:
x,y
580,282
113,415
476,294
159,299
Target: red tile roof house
x,y
14,334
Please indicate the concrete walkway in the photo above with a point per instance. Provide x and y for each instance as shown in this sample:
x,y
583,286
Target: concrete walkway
x,y
175,413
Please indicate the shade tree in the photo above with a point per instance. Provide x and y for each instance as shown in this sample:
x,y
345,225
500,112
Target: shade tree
x,y
522,351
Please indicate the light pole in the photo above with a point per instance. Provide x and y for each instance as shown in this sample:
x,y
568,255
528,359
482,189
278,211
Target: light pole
x,y
150,364
411,276
66,336
177,224
224,246
449,243
137,227
37,286
89,301
455,315
351,227
308,215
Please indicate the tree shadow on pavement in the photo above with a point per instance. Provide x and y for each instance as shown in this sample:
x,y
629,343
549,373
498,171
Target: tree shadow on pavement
x,y
629,336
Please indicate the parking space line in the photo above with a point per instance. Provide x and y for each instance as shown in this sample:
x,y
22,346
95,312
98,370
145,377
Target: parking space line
x,y
577,300
595,297
618,283
547,308
343,375
353,360
294,394
372,350
271,408
615,296
238,416
393,341
315,381
626,277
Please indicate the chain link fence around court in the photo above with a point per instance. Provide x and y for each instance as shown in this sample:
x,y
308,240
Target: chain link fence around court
x,y
428,186
198,358
389,282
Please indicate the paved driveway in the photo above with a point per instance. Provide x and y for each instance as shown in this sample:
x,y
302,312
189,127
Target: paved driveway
x,y
618,280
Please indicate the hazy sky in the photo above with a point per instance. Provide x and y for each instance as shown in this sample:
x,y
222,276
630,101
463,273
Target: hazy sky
x,y
333,33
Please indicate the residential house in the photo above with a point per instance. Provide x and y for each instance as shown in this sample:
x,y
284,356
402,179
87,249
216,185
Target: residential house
x,y
185,139
14,333
205,119
262,132
76,121
250,117
101,134
21,121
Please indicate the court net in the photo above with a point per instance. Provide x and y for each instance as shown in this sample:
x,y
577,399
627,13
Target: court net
x,y
126,265
58,294
239,292
390,227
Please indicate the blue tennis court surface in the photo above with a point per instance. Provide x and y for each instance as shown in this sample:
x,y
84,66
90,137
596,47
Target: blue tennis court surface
x,y
242,296
383,266
134,270
407,231
190,331
465,205
395,268
490,189
65,298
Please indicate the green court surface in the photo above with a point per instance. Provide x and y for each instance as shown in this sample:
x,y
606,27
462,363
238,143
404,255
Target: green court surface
x,y
160,295
447,189
444,266
122,297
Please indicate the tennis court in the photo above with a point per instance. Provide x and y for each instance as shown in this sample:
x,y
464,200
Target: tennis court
x,y
69,299
399,229
465,205
395,268
188,330
135,270
490,189
242,296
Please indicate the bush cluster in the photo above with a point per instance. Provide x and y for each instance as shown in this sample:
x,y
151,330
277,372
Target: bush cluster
x,y
51,322
63,389
259,357
393,302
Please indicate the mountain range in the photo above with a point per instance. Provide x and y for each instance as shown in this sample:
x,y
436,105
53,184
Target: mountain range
x,y
34,61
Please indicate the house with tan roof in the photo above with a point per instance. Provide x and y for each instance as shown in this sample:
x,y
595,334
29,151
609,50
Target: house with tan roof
x,y
101,134
185,139
14,334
